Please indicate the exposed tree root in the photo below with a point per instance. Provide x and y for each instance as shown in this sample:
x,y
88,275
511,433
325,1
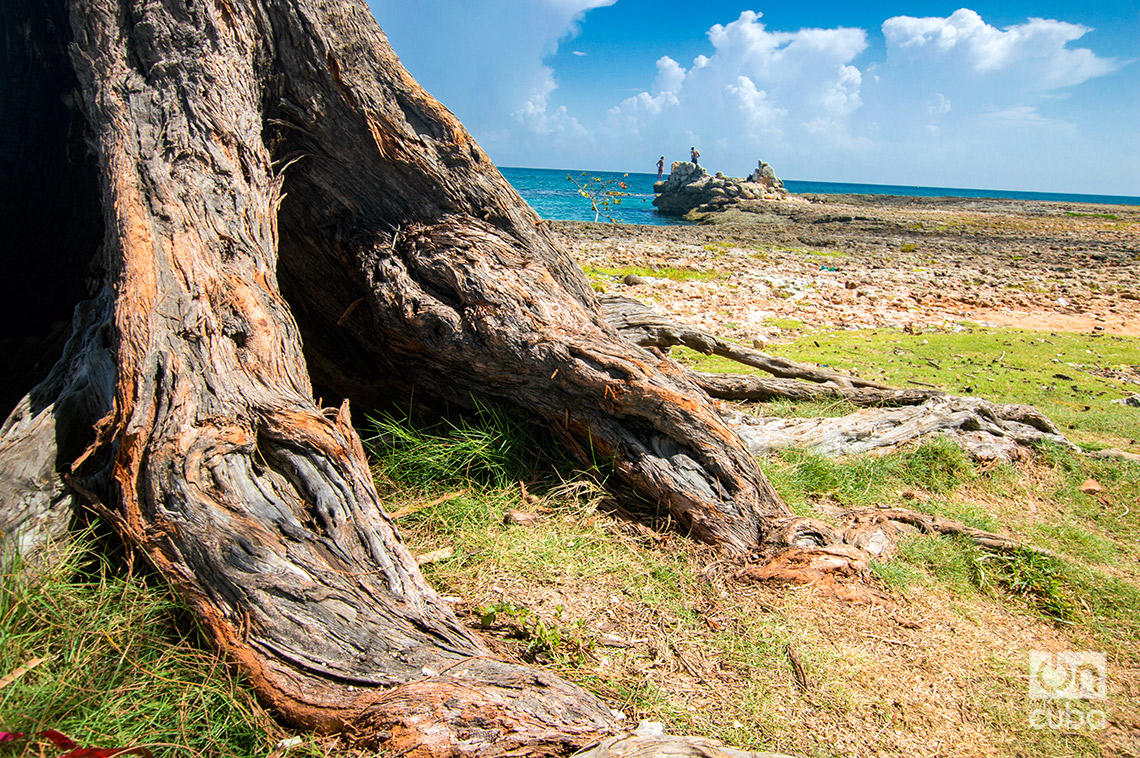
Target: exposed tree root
x,y
863,525
870,534
978,425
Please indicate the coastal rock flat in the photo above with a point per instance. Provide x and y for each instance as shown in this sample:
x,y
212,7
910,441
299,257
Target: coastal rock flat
x,y
862,261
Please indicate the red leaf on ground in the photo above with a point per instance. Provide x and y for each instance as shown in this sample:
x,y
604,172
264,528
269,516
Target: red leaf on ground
x,y
64,742
59,739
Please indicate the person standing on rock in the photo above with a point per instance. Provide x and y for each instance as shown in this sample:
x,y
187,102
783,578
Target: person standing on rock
x,y
660,167
695,154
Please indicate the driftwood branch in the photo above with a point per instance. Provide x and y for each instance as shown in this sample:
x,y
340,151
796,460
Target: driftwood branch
x,y
642,325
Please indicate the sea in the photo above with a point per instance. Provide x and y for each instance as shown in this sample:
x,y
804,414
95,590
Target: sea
x,y
554,196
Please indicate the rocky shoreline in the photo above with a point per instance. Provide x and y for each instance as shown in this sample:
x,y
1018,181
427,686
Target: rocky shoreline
x,y
859,261
689,189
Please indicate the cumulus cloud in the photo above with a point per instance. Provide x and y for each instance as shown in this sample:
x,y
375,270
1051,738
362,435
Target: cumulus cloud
x,y
537,118
964,101
1037,51
756,88
646,106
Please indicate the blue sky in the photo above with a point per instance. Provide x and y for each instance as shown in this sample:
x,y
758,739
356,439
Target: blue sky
x,y
1015,95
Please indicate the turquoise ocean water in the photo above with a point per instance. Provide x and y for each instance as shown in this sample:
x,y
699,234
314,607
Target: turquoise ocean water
x,y
553,197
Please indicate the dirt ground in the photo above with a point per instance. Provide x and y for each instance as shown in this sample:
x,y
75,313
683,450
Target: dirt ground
x,y
856,261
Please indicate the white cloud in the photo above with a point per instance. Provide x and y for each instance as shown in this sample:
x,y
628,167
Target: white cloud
x,y
535,116
1036,51
755,91
759,113
643,106
1018,115
953,99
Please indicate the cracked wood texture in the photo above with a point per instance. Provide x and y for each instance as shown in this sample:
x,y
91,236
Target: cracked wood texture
x,y
436,277
268,172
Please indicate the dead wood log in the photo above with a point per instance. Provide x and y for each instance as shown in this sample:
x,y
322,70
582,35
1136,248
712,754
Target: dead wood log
x,y
267,171
754,388
749,387
793,381
986,430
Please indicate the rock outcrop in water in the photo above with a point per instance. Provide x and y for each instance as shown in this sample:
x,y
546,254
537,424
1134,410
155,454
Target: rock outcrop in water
x,y
690,188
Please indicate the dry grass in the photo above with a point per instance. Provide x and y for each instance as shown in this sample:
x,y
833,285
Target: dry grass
x,y
661,629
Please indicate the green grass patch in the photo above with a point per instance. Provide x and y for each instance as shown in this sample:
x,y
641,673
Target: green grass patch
x,y
1110,216
123,665
967,569
936,466
487,448
1066,375
1054,588
785,324
667,272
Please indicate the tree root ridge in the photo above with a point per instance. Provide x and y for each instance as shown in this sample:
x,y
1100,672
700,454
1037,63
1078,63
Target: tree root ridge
x,y
890,416
841,569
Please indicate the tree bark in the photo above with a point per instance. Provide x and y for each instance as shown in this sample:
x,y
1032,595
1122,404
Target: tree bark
x,y
450,285
267,171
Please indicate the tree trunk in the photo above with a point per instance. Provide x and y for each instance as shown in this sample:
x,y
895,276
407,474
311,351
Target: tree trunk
x,y
267,171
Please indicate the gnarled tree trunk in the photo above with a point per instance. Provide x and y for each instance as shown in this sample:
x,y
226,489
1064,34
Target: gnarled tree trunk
x,y
269,175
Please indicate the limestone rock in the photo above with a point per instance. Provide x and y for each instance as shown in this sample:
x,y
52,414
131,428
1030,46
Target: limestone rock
x,y
765,176
690,188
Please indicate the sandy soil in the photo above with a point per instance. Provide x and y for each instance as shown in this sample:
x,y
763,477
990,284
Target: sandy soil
x,y
855,261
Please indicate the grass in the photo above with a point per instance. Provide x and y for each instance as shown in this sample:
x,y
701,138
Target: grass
x,y
486,448
1071,377
1110,216
937,466
647,619
603,274
785,324
562,592
122,665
